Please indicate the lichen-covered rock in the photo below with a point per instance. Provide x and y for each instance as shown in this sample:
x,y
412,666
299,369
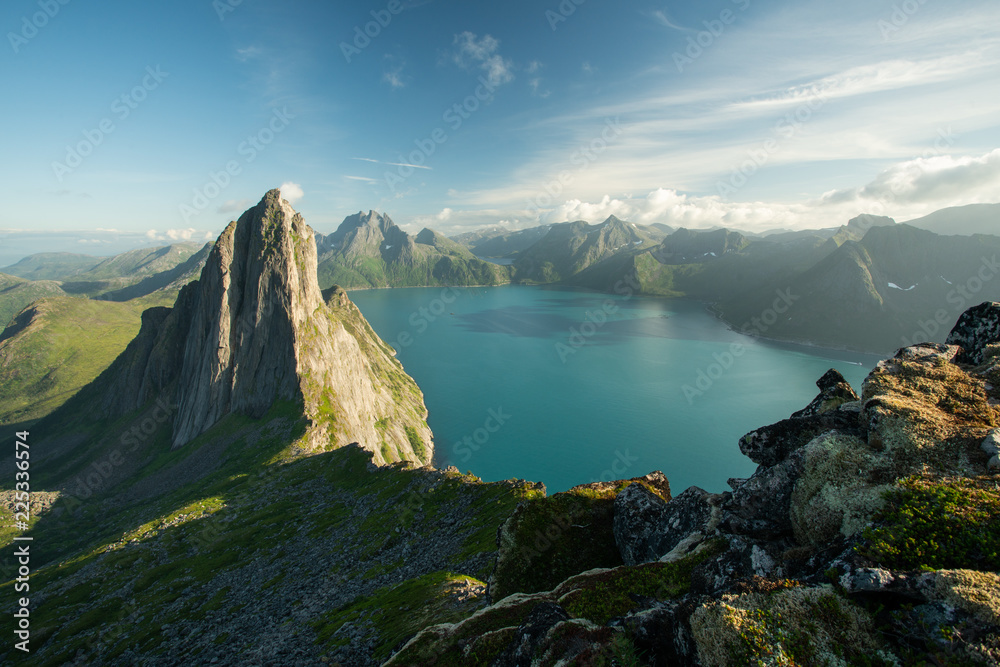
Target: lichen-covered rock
x,y
760,506
991,447
647,528
770,445
839,491
791,626
662,634
975,592
922,409
742,558
976,329
834,391
532,632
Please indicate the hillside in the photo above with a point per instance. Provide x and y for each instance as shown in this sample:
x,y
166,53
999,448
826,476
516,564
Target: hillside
x,y
131,275
895,286
58,345
16,294
571,247
498,242
369,250
963,220
51,266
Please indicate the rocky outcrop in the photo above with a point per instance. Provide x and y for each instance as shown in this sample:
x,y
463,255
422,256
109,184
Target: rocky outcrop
x,y
255,330
648,528
834,392
976,329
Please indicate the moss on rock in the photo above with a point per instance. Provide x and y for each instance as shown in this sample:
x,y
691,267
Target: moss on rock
x,y
838,492
792,626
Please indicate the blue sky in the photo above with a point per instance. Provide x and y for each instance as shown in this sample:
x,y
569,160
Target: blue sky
x,y
164,120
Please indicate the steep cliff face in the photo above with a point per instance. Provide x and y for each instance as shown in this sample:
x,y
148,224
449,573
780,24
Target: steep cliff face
x,y
255,329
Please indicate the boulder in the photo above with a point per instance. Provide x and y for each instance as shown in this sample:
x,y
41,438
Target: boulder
x,y
646,528
761,506
662,635
638,521
770,445
744,558
531,635
834,392
977,328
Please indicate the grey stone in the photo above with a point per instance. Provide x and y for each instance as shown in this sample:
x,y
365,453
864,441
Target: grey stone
x,y
977,328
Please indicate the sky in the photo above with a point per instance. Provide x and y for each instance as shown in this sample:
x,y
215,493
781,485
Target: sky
x,y
151,122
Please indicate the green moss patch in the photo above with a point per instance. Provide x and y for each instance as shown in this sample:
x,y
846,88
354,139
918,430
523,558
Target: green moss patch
x,y
608,595
550,539
938,524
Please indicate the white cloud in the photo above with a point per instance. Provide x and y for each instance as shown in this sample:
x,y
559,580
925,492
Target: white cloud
x,y
185,235
292,192
393,74
942,180
663,19
393,164
473,51
394,78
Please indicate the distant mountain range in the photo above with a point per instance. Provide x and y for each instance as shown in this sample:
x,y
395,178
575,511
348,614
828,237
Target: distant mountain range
x,y
962,220
871,284
570,247
369,250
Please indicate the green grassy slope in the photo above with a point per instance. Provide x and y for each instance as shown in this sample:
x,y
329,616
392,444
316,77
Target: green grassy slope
x,y
58,345
188,539
16,294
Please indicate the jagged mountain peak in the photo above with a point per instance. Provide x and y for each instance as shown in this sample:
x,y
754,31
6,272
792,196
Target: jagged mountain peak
x,y
255,329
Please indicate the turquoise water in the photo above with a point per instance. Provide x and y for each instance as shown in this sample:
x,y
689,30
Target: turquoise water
x,y
569,387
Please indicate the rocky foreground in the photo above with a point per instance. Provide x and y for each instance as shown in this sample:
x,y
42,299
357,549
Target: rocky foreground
x,y
869,534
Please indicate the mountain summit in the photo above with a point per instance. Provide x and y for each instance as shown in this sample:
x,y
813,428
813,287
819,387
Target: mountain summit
x,y
369,250
256,329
